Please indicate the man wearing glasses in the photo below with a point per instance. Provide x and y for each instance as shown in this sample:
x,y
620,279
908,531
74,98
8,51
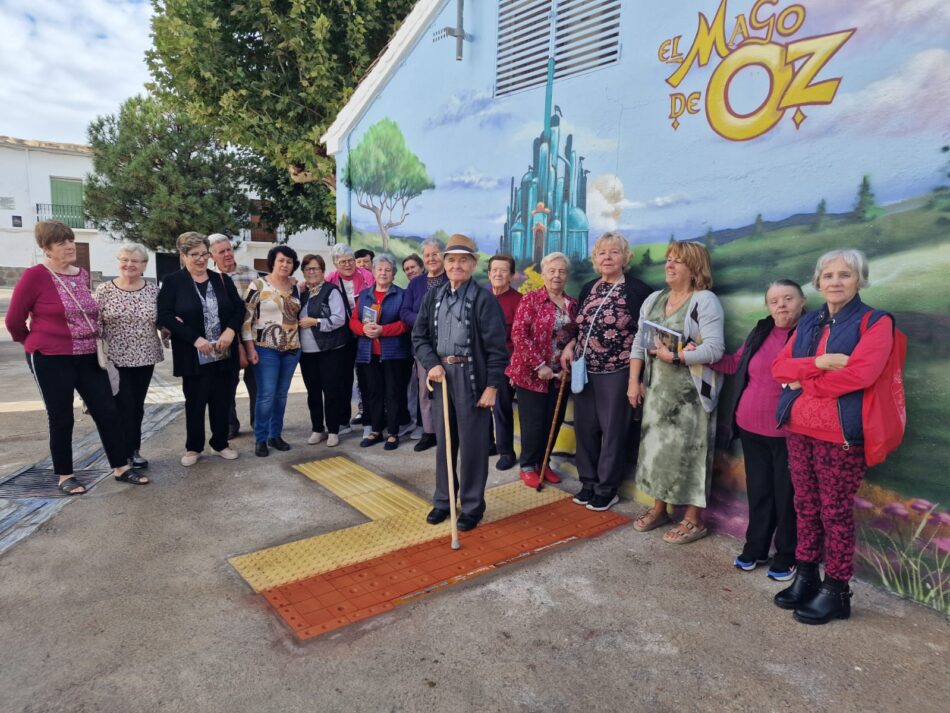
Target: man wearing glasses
x,y
222,254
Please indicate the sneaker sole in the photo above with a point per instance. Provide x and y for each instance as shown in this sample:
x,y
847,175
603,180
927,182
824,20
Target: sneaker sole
x,y
781,576
748,566
609,505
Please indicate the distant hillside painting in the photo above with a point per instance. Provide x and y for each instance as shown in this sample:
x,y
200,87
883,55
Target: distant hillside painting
x,y
771,131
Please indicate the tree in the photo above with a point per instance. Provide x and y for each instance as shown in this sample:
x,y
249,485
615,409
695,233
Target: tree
x,y
646,260
865,209
758,229
821,216
295,206
709,239
270,75
385,175
156,174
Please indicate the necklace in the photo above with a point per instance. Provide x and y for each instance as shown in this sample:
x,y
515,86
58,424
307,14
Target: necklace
x,y
672,306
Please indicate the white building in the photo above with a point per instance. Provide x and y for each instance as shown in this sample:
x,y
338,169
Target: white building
x,y
43,180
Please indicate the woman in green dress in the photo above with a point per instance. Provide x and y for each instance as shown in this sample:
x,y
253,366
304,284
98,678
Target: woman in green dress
x,y
678,391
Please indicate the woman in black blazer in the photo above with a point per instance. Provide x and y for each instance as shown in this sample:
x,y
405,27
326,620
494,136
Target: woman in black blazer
x,y
203,312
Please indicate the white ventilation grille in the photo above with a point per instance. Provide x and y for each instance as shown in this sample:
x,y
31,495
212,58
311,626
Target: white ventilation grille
x,y
586,37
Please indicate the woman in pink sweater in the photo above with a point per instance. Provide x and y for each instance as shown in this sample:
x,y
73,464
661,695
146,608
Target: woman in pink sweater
x,y
55,317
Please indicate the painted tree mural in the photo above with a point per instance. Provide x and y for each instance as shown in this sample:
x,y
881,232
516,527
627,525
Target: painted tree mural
x,y
385,175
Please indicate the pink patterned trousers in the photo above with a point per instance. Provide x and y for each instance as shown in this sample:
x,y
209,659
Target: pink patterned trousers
x,y
825,477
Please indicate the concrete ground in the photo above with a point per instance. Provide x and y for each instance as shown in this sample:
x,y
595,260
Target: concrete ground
x,y
124,601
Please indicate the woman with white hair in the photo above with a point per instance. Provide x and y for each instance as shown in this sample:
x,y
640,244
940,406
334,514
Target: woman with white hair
x,y
128,314
837,352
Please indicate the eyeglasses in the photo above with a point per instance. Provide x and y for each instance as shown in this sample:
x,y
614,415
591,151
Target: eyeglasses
x,y
198,256
129,261
312,269
345,261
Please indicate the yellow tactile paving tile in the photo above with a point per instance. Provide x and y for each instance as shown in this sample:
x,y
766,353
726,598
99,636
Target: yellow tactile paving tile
x,y
291,562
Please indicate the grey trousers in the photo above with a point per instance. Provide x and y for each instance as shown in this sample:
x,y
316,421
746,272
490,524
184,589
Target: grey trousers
x,y
470,456
425,403
602,424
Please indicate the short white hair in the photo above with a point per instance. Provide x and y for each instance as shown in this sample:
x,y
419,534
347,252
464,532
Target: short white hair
x,y
551,257
133,249
854,259
216,238
387,258
434,242
340,250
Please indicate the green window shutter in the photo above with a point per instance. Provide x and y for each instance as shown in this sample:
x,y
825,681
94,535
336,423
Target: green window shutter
x,y
67,200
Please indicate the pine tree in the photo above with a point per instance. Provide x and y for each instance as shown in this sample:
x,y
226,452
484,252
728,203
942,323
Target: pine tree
x,y
865,209
646,260
709,240
821,216
759,229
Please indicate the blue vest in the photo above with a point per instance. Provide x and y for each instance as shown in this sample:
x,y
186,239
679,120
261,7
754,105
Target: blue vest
x,y
391,347
844,335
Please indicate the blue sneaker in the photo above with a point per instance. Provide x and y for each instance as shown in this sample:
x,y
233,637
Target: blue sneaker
x,y
747,565
781,573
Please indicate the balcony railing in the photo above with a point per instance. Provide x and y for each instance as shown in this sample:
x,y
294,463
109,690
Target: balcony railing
x,y
71,215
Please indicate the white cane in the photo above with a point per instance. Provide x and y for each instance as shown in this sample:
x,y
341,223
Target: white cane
x,y
448,459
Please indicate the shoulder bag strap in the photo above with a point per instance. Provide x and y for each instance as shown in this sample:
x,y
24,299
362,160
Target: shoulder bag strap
x,y
594,318
70,293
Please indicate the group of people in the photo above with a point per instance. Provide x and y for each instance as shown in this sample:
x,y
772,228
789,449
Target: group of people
x,y
645,368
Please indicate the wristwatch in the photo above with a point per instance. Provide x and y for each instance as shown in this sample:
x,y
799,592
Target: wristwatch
x,y
676,359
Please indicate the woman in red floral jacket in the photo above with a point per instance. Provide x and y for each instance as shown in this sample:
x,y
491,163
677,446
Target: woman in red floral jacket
x,y
544,324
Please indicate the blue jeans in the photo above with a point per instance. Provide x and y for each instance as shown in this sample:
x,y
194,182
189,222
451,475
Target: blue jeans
x,y
273,374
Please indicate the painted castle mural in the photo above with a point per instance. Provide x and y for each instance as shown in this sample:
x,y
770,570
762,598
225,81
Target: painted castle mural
x,y
546,211
771,131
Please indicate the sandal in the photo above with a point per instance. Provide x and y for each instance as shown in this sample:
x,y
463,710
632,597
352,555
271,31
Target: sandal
x,y
651,520
133,477
71,486
685,532
371,440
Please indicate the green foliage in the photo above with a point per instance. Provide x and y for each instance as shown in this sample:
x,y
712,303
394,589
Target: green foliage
x,y
157,174
758,230
821,216
865,209
385,175
646,260
295,206
709,240
344,229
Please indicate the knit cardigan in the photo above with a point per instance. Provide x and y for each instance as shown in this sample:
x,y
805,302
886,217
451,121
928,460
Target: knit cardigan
x,y
703,326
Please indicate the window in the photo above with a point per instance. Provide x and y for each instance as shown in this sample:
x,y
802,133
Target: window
x,y
585,36
66,196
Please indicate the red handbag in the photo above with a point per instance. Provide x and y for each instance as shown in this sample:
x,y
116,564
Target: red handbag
x,y
884,410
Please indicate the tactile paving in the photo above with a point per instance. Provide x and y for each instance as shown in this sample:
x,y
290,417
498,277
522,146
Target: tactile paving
x,y
369,493
294,561
328,601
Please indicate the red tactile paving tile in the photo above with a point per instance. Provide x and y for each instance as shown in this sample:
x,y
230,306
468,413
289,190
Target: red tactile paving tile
x,y
320,604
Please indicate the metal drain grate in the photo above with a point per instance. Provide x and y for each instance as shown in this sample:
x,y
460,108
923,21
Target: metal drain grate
x,y
36,482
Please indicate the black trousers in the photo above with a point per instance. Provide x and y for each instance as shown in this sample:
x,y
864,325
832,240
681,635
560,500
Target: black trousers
x,y
323,376
58,376
211,391
349,365
385,393
251,385
771,499
603,423
133,388
504,420
535,414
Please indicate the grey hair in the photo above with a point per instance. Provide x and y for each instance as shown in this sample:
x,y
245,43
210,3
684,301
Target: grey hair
x,y
551,257
216,238
340,250
435,242
134,249
387,258
855,259
189,241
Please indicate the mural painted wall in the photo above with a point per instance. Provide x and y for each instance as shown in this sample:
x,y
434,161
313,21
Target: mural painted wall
x,y
771,131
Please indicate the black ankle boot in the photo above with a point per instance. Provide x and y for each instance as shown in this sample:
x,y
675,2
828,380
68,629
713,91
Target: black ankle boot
x,y
832,601
804,587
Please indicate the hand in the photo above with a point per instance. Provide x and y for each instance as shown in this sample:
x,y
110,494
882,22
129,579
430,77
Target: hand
x,y
436,374
203,346
252,355
488,397
690,347
567,356
308,322
635,393
372,330
831,362
663,354
224,341
545,373
795,385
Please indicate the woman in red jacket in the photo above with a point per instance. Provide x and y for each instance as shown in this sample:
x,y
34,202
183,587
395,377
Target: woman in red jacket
x,y
835,354
543,325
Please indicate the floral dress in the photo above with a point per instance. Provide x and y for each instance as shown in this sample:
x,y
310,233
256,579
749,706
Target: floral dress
x,y
608,349
675,462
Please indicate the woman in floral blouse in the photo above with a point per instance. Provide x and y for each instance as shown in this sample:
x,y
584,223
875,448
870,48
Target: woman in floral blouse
x,y
272,344
543,326
606,323
128,311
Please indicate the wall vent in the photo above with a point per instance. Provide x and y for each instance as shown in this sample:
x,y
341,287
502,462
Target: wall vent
x,y
585,36
7,203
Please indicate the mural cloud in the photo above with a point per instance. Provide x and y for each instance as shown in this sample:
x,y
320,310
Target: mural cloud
x,y
471,178
874,18
606,202
480,106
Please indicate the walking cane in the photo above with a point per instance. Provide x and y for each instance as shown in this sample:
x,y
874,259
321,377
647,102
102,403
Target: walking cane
x,y
448,459
547,451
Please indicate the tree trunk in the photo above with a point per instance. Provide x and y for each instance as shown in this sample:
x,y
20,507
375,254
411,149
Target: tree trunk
x,y
378,212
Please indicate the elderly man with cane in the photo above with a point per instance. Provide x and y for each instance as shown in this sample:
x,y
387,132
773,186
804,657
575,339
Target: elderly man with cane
x,y
459,336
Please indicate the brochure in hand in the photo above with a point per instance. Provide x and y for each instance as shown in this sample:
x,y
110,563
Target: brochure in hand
x,y
657,334
370,314
214,356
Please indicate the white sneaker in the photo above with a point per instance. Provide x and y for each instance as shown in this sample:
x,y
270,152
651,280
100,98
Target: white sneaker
x,y
345,430
227,453
333,440
417,433
190,458
315,437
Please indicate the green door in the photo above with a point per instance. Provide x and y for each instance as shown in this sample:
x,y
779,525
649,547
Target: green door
x,y
67,197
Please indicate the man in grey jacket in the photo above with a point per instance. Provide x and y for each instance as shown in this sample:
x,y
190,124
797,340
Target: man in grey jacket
x,y
459,336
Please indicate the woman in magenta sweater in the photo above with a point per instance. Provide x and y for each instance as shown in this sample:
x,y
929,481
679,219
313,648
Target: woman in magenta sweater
x,y
751,418
54,315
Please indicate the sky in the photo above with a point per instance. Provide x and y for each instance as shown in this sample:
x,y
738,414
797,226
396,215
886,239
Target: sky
x,y
65,62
